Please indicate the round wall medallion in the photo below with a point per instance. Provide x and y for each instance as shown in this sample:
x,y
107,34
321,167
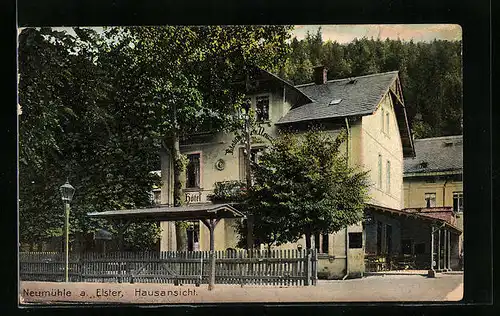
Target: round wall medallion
x,y
220,164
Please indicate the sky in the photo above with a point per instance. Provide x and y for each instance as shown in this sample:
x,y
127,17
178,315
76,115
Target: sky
x,y
347,33
406,32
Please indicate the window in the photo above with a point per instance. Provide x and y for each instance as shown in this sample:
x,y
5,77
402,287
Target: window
x,y
382,120
355,240
388,175
387,122
458,201
321,243
193,171
324,244
379,171
262,109
430,199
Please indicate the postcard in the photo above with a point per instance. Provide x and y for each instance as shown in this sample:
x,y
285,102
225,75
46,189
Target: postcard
x,y
240,163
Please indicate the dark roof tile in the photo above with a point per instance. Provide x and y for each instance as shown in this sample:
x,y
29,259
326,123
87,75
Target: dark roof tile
x,y
360,96
436,154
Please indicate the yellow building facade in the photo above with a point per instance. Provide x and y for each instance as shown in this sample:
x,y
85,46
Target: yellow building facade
x,y
433,178
378,139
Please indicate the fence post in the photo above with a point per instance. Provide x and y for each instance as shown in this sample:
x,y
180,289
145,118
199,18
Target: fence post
x,y
307,266
314,264
118,260
131,270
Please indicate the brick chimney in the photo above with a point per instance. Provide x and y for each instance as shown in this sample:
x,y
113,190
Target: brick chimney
x,y
320,73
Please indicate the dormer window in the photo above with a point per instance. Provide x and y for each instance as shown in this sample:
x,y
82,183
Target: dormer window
x,y
335,101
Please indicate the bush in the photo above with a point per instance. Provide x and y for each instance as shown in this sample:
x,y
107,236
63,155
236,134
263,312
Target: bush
x,y
228,192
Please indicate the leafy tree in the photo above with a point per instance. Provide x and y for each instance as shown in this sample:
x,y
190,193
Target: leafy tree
x,y
334,60
363,57
192,73
314,46
71,126
298,68
303,186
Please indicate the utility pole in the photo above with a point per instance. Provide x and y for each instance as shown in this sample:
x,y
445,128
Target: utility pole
x,y
248,175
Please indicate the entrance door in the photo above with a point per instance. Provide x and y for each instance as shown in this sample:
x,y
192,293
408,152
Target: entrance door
x,y
388,238
192,236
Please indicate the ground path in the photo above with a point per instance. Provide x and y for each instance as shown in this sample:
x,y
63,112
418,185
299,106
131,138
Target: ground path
x,y
379,288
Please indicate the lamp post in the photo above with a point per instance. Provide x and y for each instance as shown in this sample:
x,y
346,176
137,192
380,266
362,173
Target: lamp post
x,y
248,175
67,192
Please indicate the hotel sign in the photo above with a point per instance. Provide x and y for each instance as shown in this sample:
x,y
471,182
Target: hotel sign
x,y
196,197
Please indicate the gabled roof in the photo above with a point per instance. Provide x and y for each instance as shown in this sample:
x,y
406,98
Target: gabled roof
x,y
359,96
438,154
256,72
356,96
287,84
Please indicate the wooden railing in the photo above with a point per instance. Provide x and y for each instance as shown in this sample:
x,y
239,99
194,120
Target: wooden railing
x,y
275,267
375,263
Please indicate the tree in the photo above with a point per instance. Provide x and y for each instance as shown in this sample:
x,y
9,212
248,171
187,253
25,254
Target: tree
x,y
75,124
192,73
362,56
334,60
314,44
303,186
298,67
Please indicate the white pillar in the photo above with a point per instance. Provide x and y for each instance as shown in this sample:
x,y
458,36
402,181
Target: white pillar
x,y
432,272
439,251
449,251
432,248
445,252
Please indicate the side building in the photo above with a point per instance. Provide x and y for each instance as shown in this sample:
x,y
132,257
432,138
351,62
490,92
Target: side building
x,y
433,182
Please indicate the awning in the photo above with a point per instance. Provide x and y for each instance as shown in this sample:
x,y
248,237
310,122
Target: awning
x,y
167,213
210,214
418,216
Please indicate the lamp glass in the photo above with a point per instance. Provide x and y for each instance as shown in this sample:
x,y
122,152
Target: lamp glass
x,y
67,192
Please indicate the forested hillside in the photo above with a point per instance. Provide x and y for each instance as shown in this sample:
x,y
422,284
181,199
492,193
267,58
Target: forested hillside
x,y
431,74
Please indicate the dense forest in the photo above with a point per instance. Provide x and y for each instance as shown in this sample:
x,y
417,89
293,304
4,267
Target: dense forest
x,y
430,72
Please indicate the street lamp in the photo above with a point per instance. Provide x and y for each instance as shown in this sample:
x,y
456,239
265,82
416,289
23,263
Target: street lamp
x,y
250,221
67,192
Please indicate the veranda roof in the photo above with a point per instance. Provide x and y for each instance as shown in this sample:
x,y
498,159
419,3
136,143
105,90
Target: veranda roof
x,y
416,216
167,213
